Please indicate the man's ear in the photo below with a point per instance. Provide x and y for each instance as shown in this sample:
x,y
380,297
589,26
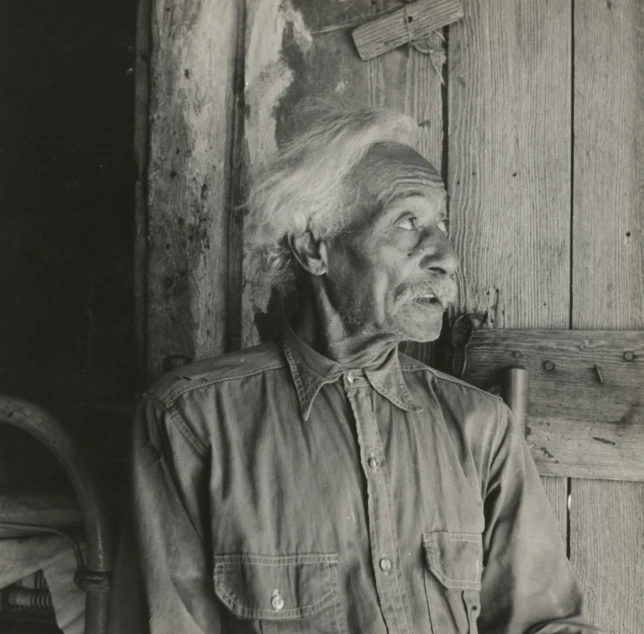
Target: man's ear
x,y
310,252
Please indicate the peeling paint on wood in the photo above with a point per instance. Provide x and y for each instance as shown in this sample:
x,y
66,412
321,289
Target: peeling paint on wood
x,y
287,60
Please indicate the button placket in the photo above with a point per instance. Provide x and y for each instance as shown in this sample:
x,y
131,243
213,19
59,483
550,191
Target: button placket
x,y
382,530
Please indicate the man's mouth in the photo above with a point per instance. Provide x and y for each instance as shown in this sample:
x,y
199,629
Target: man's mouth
x,y
428,299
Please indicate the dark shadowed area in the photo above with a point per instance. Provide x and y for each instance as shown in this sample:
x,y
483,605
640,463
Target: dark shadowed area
x,y
66,203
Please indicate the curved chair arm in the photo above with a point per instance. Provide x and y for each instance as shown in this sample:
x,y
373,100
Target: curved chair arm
x,y
95,578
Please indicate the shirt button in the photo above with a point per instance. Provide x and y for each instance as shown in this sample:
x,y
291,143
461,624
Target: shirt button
x,y
373,462
385,565
277,601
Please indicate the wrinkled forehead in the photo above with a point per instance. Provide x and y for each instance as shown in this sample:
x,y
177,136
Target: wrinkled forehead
x,y
391,170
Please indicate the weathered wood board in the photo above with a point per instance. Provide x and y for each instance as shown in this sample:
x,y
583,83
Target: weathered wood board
x,y
606,546
290,55
192,62
509,160
508,135
577,425
607,519
410,23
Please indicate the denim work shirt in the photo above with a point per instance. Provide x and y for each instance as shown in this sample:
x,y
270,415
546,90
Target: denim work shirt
x,y
277,491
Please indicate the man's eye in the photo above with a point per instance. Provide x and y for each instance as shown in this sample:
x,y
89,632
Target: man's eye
x,y
408,223
443,225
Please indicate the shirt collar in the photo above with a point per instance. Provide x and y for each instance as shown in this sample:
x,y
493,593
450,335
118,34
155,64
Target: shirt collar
x,y
310,371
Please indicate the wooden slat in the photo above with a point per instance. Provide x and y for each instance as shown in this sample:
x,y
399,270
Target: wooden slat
x,y
509,165
509,160
607,546
287,58
410,23
608,281
192,64
608,254
577,426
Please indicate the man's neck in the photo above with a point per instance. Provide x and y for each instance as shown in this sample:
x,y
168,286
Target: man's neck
x,y
320,326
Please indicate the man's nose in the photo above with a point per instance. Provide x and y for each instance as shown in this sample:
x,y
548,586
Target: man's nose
x,y
438,254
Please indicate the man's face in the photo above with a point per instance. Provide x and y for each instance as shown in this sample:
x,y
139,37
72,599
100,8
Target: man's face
x,y
392,271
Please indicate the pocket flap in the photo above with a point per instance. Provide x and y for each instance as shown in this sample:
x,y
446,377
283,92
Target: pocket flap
x,y
282,587
456,559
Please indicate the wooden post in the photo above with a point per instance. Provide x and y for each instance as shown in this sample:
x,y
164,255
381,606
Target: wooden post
x,y
192,64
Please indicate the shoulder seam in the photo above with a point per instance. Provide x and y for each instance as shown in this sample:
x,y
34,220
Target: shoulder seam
x,y
173,395
197,445
449,379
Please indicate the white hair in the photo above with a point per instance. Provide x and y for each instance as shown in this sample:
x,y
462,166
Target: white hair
x,y
307,187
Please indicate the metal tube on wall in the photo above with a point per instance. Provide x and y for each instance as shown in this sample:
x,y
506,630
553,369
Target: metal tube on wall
x,y
514,392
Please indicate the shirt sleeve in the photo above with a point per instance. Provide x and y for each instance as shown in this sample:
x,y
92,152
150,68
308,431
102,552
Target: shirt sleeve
x,y
528,585
170,483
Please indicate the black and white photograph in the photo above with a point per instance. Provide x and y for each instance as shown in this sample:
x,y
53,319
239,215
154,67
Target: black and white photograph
x,y
322,317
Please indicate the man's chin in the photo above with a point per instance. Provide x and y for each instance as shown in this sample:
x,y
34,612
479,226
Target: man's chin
x,y
424,333
423,330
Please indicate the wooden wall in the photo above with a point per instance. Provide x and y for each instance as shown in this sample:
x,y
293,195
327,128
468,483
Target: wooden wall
x,y
538,130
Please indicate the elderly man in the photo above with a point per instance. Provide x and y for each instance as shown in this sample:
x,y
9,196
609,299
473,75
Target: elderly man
x,y
327,483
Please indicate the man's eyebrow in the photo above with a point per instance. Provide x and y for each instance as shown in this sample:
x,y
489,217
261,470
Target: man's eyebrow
x,y
393,198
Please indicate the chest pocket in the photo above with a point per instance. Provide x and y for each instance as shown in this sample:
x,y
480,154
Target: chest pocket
x,y
453,581
290,594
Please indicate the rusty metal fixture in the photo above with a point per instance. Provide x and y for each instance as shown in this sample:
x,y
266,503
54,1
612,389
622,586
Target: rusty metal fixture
x,y
40,424
598,370
514,391
175,361
461,335
548,366
628,355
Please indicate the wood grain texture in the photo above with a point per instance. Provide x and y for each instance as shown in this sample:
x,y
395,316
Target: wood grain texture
x,y
289,58
509,160
576,425
412,22
607,546
509,135
608,216
192,65
607,519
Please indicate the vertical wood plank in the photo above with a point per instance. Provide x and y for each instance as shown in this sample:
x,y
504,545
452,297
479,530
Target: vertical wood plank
x,y
509,160
608,216
509,136
290,55
191,99
607,545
